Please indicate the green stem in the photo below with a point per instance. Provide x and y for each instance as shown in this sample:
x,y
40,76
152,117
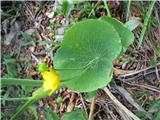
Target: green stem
x,y
40,93
148,14
17,81
16,99
29,102
26,82
128,9
107,8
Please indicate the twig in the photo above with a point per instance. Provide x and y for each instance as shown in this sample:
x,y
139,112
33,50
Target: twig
x,y
84,106
71,104
129,98
92,108
148,14
113,117
107,8
157,73
119,105
140,71
144,86
122,114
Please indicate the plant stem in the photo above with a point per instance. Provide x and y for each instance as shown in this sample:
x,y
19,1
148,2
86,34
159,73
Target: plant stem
x,y
107,8
17,81
92,108
148,14
84,106
29,102
37,95
128,9
16,99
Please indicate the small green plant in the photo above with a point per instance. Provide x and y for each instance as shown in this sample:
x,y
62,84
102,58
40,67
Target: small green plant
x,y
146,20
155,108
83,63
152,108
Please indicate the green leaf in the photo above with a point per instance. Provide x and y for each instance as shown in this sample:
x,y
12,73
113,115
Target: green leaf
x,y
84,60
59,100
33,108
5,14
50,115
74,115
67,6
153,60
156,116
132,24
27,89
140,114
90,95
27,37
37,95
30,40
12,67
127,37
42,67
155,105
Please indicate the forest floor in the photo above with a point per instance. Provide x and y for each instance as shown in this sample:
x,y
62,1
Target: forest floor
x,y
34,27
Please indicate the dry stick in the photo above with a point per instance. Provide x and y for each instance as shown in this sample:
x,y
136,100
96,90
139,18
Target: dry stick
x,y
129,98
84,106
92,108
123,114
158,76
144,86
71,105
139,71
119,105
148,14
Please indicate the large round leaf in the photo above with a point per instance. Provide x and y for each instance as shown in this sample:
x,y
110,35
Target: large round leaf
x,y
84,60
127,37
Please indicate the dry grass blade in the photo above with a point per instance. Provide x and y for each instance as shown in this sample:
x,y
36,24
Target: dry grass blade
x,y
149,87
144,72
122,114
129,98
92,108
119,105
70,106
157,73
84,106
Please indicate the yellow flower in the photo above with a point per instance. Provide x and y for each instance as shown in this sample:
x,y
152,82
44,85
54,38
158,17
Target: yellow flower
x,y
51,80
